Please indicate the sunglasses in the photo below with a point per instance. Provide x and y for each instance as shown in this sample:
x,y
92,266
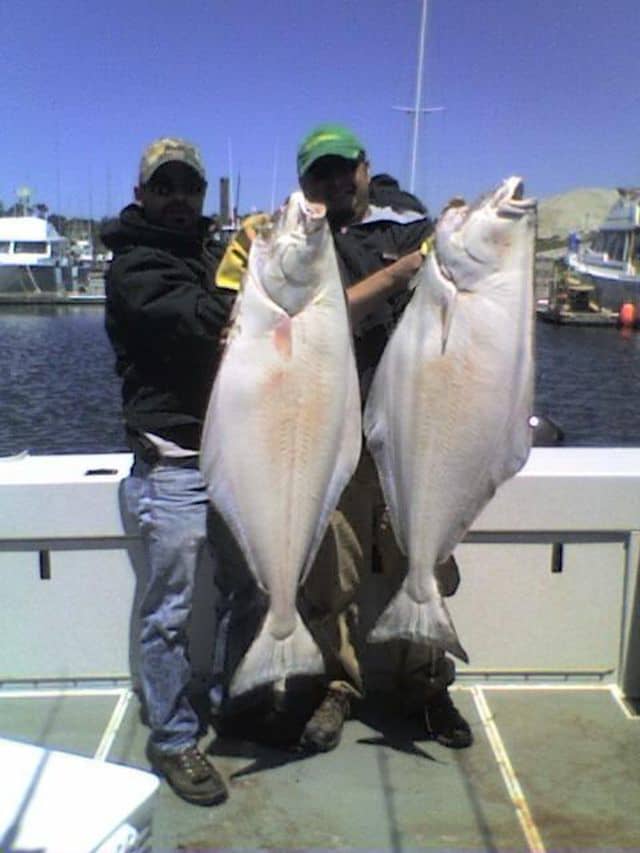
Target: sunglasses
x,y
332,166
167,188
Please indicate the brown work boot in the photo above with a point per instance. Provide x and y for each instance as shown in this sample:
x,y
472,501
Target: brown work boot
x,y
324,729
190,773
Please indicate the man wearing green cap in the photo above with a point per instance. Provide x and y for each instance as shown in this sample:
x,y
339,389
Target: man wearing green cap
x,y
379,234
164,318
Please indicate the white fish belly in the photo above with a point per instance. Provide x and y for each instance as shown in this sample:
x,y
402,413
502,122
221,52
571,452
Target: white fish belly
x,y
446,428
281,440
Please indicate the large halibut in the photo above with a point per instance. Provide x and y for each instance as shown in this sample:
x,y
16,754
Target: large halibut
x,y
282,434
447,416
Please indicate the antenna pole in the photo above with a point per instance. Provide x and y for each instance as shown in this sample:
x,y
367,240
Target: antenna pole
x,y
90,220
416,109
274,177
232,201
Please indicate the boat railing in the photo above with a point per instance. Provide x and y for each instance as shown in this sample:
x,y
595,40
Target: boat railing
x,y
549,572
593,258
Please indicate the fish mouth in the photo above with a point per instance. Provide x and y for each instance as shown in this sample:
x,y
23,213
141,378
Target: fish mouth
x,y
300,215
510,199
313,215
517,193
506,202
296,214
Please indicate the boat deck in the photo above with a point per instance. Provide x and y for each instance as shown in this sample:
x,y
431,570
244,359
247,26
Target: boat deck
x,y
550,604
553,767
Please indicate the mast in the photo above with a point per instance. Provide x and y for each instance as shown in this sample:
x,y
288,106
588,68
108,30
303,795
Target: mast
x,y
416,110
232,200
274,177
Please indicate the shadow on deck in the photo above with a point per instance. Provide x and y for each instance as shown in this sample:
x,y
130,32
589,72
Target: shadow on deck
x,y
552,767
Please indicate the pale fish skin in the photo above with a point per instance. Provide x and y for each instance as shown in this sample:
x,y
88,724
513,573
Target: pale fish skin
x,y
282,434
447,416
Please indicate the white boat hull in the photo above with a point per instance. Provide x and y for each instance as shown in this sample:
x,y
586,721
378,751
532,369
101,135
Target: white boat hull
x,y
34,278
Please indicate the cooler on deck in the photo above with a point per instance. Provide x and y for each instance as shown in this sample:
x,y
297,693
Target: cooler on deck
x,y
62,803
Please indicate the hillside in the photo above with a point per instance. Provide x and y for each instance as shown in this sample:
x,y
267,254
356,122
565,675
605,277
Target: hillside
x,y
581,210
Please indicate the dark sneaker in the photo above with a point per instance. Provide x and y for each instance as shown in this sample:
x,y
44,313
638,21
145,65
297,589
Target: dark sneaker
x,y
445,723
324,729
190,774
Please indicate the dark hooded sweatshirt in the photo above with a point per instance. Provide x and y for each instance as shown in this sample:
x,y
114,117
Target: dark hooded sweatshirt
x,y
164,316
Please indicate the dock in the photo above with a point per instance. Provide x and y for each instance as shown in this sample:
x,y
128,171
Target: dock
x,y
70,298
568,317
88,291
562,299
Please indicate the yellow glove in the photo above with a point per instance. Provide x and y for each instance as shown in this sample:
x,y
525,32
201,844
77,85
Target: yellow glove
x,y
427,246
236,257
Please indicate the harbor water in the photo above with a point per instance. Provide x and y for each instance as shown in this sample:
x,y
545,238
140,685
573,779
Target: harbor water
x,y
59,392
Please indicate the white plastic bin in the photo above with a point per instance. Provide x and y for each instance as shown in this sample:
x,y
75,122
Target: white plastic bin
x,y
63,803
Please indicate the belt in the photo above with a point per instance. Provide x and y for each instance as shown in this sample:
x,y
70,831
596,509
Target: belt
x,y
146,451
179,461
142,466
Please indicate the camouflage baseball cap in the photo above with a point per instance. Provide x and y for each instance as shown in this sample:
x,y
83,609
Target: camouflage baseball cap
x,y
328,139
167,150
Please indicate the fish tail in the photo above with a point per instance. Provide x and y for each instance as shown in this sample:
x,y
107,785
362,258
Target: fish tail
x,y
270,659
426,623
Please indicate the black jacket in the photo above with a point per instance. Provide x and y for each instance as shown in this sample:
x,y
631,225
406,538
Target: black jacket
x,y
163,317
397,223
385,191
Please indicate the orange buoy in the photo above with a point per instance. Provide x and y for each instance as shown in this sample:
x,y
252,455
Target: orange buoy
x,y
628,314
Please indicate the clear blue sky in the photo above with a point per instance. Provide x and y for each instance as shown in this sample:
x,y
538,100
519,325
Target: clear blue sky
x,y
547,89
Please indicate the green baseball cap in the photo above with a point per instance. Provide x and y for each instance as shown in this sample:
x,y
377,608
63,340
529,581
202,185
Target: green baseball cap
x,y
167,150
328,139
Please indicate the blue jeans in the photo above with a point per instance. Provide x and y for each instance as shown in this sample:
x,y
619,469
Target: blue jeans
x,y
170,503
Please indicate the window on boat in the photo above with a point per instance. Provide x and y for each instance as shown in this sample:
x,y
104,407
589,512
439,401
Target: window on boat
x,y
5,245
30,247
612,243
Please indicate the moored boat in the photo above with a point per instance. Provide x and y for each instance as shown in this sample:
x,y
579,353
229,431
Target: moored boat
x,y
34,258
609,267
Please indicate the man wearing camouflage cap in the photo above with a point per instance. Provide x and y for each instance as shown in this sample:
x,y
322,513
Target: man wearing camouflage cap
x,y
164,317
